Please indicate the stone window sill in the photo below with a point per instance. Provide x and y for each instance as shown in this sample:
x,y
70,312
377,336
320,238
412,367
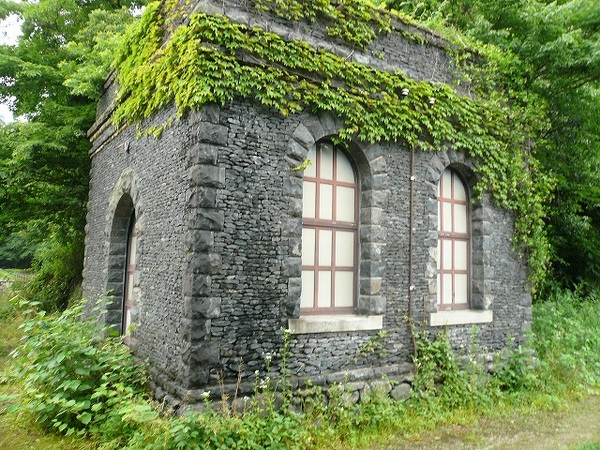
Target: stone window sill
x,y
334,324
461,317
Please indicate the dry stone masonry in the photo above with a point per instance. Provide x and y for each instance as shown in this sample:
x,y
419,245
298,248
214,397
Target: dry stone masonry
x,y
217,207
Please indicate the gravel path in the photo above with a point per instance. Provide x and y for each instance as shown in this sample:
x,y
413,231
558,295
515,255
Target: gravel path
x,y
579,424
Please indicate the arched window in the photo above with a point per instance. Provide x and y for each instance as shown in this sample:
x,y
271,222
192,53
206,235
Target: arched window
x,y
329,232
454,243
129,277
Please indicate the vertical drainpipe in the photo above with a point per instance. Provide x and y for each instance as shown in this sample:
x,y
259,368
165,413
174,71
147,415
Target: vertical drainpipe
x,y
411,287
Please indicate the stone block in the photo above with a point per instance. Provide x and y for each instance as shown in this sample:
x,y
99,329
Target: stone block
x,y
203,263
207,175
314,127
292,266
210,219
380,388
201,197
212,133
401,392
303,136
195,285
371,269
291,227
371,304
290,306
203,308
203,154
375,198
296,150
370,286
193,330
370,216
197,241
202,354
292,187
373,233
193,376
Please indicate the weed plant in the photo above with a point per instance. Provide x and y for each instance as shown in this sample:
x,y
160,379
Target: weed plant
x,y
75,378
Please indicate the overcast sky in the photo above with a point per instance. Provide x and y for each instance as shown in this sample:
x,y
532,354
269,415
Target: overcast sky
x,y
9,33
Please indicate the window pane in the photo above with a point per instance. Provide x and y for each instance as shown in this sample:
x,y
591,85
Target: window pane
x,y
308,289
311,170
344,249
129,283
460,289
446,254
309,203
308,246
447,288
459,189
344,169
439,288
460,218
326,162
324,294
325,247
127,322
447,216
345,211
447,184
132,249
326,202
344,289
460,255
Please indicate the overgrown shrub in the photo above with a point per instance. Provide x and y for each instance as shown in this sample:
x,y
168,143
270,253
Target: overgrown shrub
x,y
57,264
516,368
567,338
439,374
77,378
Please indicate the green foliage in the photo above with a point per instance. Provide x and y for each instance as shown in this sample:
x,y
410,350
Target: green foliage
x,y
440,379
548,60
16,251
355,21
515,369
567,338
57,265
199,64
76,378
52,80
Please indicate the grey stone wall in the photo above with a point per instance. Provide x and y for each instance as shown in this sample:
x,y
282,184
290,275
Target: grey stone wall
x,y
218,212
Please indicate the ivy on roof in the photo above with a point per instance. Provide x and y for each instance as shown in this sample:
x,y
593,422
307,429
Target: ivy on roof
x,y
213,60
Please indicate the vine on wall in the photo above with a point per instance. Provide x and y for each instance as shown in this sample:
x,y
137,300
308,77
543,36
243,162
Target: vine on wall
x,y
212,60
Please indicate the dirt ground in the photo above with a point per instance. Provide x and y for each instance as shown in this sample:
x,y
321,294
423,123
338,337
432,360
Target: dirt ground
x,y
572,428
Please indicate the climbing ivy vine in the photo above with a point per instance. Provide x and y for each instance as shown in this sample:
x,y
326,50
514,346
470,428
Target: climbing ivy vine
x,y
210,59
354,21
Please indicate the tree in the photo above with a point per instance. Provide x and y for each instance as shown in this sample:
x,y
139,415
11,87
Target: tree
x,y
554,48
52,80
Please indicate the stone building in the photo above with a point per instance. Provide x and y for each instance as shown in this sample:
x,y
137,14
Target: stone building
x,y
210,243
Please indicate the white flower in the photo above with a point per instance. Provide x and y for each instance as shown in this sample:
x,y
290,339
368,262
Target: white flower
x,y
205,395
264,383
431,101
405,91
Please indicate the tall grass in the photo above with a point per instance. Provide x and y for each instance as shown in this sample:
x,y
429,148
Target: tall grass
x,y
107,406
566,338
